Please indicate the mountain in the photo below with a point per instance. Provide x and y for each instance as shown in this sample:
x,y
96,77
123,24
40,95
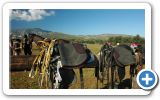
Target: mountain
x,y
21,32
50,34
104,36
41,32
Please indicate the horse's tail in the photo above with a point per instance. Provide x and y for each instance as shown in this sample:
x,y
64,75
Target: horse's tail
x,y
101,60
100,64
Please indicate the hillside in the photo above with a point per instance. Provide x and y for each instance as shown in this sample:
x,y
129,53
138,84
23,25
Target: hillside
x,y
104,36
41,32
50,34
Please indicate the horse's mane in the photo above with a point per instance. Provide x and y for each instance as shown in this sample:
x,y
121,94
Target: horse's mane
x,y
35,38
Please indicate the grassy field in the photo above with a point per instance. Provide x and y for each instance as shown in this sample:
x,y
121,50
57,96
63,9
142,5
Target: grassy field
x,y
95,48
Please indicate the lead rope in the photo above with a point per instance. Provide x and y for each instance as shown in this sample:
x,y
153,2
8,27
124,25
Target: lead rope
x,y
46,62
43,63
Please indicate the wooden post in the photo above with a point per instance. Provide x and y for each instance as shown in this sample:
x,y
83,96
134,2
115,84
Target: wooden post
x,y
112,76
21,62
81,78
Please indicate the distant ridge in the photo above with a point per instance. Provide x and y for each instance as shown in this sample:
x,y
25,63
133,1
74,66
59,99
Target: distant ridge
x,y
50,34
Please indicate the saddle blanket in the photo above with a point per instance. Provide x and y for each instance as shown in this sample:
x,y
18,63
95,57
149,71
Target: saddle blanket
x,y
91,58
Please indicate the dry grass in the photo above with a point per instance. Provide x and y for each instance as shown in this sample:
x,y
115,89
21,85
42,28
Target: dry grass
x,y
20,80
95,48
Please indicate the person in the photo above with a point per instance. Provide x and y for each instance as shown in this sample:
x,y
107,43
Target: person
x,y
11,47
134,46
16,47
27,45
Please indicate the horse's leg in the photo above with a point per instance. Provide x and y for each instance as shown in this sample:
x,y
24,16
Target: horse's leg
x,y
107,73
68,76
97,74
97,83
97,70
24,50
121,74
125,75
29,51
132,74
129,75
139,62
117,80
112,76
81,78
51,77
102,70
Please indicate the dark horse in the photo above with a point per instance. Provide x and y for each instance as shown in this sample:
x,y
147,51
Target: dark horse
x,y
66,55
118,58
27,45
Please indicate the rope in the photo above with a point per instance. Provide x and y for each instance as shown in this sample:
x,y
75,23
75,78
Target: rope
x,y
42,61
36,64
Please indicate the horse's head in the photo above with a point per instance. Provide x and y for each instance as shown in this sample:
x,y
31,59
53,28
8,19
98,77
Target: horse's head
x,y
35,38
106,49
31,36
104,54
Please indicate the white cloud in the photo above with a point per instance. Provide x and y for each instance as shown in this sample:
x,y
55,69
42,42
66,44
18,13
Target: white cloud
x,y
30,15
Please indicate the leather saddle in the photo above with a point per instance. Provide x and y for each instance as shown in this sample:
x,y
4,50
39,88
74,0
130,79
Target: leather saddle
x,y
123,55
71,54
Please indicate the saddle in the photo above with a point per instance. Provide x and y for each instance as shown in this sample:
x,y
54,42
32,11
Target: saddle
x,y
123,56
71,54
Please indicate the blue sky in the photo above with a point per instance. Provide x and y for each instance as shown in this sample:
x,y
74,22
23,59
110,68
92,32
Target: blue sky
x,y
82,22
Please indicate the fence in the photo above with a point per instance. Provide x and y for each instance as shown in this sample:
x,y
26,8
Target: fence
x,y
21,63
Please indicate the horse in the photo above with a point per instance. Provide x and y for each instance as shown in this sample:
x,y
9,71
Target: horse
x,y
117,59
139,51
27,45
34,38
64,57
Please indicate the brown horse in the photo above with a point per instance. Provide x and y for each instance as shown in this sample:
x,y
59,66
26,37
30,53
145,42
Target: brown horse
x,y
140,57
